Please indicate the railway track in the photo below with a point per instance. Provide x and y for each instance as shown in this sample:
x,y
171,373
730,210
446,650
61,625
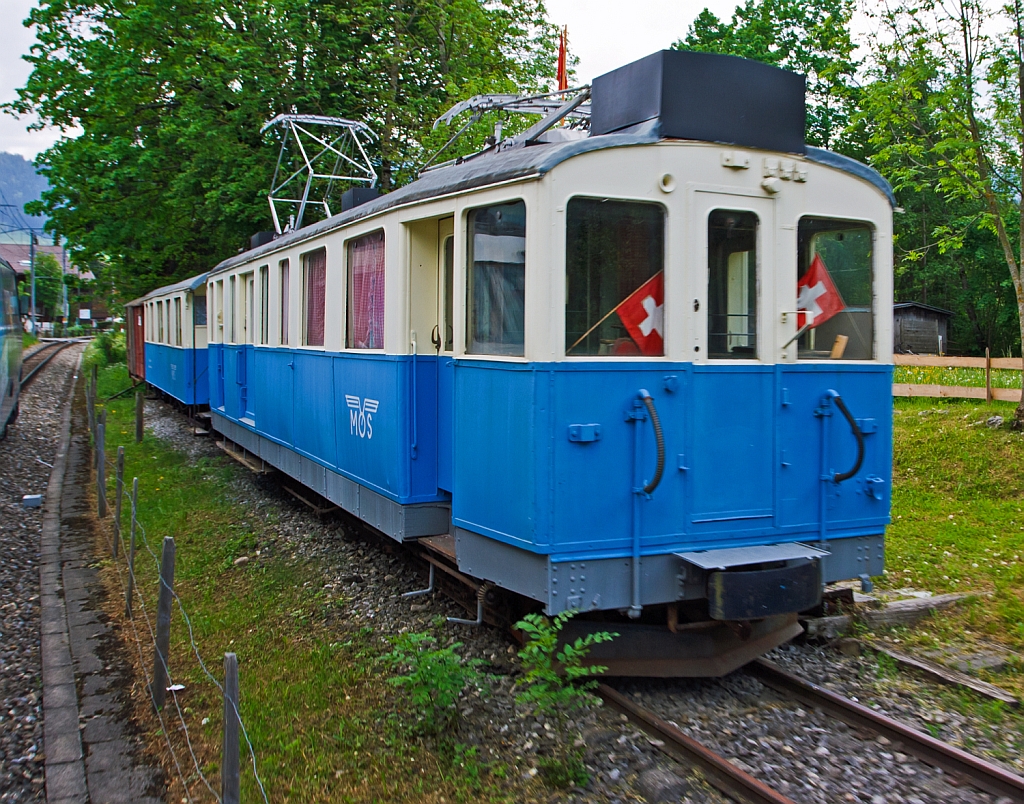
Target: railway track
x,y
740,785
37,361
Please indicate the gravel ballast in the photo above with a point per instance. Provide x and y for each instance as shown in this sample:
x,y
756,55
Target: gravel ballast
x,y
26,456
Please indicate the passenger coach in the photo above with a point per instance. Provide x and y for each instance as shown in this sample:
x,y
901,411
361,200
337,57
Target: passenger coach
x,y
167,341
642,370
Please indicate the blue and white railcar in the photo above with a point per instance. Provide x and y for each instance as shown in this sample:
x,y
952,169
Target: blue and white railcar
x,y
10,346
485,352
172,321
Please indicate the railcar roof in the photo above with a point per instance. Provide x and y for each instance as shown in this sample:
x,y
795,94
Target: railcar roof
x,y
192,283
520,163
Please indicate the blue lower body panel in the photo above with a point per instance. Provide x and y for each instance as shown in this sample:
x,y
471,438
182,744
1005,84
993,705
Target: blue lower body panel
x,y
178,372
549,460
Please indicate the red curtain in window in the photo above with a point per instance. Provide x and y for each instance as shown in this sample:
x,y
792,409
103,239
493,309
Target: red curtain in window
x,y
366,292
316,285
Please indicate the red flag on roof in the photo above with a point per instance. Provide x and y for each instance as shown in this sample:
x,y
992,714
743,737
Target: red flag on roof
x,y
643,314
563,73
817,294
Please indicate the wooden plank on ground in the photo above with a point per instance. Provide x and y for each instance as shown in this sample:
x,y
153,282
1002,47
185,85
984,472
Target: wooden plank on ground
x,y
946,675
953,391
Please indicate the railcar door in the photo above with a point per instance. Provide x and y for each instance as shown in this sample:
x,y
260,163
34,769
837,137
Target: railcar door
x,y
731,432
444,341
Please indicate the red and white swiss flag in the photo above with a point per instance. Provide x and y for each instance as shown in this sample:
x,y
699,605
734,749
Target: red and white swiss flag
x,y
643,314
817,294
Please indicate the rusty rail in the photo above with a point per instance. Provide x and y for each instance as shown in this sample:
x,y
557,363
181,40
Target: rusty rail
x,y
982,774
719,771
53,348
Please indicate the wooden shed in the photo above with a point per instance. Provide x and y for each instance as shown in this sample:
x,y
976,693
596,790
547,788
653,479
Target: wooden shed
x,y
920,329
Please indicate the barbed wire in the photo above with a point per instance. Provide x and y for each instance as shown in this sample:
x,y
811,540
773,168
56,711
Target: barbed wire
x,y
141,530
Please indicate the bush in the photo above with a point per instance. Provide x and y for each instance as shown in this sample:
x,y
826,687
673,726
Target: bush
x,y
557,684
434,679
106,349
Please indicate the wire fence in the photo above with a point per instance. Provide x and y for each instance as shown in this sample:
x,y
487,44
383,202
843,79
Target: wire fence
x,y
147,635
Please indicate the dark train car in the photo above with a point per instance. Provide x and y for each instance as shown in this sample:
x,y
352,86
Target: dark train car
x,y
135,339
10,346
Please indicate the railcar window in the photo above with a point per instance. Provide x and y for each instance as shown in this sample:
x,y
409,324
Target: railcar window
x,y
264,304
199,311
314,299
614,262
283,266
160,322
836,284
220,311
177,322
449,292
497,280
366,292
232,309
732,284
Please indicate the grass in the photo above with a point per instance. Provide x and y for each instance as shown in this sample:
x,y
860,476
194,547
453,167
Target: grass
x,y
321,717
958,519
961,377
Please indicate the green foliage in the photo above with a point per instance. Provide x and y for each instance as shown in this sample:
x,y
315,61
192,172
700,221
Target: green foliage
x,y
106,349
809,38
48,283
433,679
28,339
170,172
557,684
887,667
943,111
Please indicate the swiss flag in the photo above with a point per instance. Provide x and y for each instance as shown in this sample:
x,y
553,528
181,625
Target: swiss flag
x,y
643,314
817,294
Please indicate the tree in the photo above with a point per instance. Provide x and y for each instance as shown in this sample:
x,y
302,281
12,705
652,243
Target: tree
x,y
810,38
49,284
947,111
170,173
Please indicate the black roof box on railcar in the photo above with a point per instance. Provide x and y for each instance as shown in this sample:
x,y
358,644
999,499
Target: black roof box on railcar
x,y
704,96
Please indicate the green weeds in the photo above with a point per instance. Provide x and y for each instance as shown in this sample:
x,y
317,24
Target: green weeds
x,y
433,680
557,684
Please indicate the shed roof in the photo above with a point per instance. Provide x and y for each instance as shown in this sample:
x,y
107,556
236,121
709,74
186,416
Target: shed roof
x,y
921,305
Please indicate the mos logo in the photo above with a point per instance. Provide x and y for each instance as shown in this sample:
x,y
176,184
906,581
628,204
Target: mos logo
x,y
360,415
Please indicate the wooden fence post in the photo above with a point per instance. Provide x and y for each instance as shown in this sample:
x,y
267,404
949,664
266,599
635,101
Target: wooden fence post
x,y
140,404
163,624
230,775
131,550
988,376
101,465
118,494
90,406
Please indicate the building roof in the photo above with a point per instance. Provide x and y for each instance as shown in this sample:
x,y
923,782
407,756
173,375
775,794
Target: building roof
x,y
18,255
923,306
489,168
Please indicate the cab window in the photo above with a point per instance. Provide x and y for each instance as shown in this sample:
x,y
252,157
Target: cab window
x,y
497,280
614,262
835,288
732,285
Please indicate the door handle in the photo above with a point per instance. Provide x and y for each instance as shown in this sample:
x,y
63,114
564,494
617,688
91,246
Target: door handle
x,y
435,337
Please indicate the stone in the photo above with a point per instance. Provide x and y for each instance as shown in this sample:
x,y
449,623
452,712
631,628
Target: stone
x,y
658,785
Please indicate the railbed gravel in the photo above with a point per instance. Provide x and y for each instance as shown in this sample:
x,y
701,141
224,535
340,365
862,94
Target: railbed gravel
x,y
26,458
811,757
